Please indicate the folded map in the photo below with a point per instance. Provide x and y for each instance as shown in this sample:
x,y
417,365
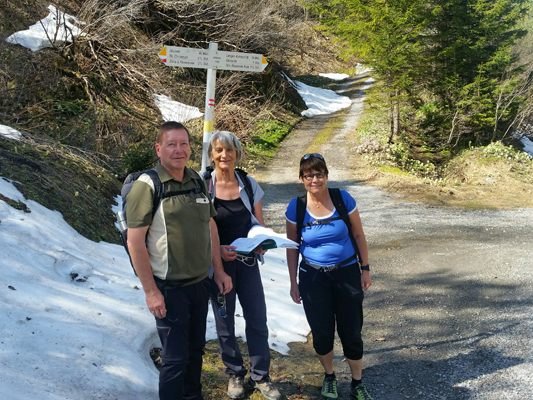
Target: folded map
x,y
266,238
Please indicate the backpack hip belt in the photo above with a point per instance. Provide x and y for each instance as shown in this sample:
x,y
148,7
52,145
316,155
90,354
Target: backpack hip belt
x,y
332,267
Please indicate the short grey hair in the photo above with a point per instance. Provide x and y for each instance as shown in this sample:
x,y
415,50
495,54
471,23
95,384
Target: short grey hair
x,y
228,140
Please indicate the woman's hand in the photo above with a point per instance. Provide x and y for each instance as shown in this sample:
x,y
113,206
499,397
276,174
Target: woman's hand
x,y
366,280
228,253
259,251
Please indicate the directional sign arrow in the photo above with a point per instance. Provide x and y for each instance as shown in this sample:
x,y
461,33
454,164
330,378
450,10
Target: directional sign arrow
x,y
211,59
199,58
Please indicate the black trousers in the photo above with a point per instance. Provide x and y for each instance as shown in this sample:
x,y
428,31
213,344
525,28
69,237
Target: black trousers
x,y
247,286
333,298
182,335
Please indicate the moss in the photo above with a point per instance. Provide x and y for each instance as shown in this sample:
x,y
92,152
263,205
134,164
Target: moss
x,y
269,135
390,169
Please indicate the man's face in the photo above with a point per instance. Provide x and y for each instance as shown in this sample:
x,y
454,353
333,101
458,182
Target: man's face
x,y
174,149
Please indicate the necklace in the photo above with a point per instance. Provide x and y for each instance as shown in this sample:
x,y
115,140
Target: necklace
x,y
316,205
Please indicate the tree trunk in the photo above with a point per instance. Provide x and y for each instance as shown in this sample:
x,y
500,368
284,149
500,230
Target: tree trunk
x,y
391,119
397,113
453,126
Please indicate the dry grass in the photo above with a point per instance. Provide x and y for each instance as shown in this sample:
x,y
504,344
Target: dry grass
x,y
298,375
470,182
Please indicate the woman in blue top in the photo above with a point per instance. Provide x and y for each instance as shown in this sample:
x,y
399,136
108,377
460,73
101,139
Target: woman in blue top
x,y
332,275
235,216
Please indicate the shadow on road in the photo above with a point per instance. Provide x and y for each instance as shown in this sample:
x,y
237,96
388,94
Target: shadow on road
x,y
428,378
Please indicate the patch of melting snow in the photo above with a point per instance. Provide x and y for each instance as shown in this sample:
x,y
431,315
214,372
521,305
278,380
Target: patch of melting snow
x,y
10,133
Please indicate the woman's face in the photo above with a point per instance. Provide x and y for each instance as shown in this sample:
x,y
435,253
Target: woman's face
x,y
315,181
223,157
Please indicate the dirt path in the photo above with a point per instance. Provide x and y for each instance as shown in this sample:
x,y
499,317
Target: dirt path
x,y
449,314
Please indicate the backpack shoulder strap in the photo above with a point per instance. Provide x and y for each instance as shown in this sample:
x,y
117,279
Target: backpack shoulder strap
x,y
336,198
247,186
158,189
198,187
126,187
301,205
199,182
337,201
206,175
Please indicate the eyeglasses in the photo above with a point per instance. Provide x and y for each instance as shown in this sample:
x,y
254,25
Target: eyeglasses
x,y
312,155
309,177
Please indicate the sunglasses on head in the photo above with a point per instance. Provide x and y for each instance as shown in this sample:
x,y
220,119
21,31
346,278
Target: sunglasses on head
x,y
312,155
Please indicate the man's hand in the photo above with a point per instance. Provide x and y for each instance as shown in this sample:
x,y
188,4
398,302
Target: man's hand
x,y
223,282
156,303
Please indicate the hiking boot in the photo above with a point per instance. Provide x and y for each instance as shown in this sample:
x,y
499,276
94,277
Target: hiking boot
x,y
329,387
359,393
267,389
236,387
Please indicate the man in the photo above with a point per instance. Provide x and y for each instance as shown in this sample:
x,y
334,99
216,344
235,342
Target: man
x,y
171,253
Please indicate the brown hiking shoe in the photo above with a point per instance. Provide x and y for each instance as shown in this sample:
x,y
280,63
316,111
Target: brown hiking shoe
x,y
267,389
236,387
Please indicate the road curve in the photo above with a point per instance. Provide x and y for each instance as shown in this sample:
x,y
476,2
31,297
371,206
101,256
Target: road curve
x,y
449,314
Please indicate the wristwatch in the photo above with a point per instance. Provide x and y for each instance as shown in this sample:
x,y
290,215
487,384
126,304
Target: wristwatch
x,y
365,267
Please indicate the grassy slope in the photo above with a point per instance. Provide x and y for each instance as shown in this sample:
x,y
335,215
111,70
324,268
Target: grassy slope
x,y
90,129
495,176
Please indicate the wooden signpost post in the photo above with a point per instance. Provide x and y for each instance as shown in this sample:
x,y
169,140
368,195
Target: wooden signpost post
x,y
211,59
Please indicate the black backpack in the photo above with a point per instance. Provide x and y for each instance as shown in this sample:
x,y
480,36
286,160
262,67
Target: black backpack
x,y
160,193
243,175
336,198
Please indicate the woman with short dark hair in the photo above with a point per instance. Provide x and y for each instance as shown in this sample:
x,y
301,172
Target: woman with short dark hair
x,y
333,273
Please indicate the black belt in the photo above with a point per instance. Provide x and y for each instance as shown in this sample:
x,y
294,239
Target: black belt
x,y
175,282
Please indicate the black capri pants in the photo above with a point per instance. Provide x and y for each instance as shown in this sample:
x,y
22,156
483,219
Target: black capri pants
x,y
331,298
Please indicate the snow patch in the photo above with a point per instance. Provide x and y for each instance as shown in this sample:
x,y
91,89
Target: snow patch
x,y
55,29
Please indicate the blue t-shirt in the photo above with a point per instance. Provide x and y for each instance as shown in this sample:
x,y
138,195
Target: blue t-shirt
x,y
328,243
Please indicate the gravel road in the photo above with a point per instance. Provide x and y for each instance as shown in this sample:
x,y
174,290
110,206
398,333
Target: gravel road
x,y
449,314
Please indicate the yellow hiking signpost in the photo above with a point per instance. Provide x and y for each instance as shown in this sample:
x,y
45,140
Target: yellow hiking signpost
x,y
211,59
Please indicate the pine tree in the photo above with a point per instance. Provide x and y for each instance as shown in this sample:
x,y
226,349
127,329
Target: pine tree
x,y
451,60
386,35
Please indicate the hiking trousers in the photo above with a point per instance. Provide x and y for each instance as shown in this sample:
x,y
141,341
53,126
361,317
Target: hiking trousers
x,y
333,298
247,286
182,335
